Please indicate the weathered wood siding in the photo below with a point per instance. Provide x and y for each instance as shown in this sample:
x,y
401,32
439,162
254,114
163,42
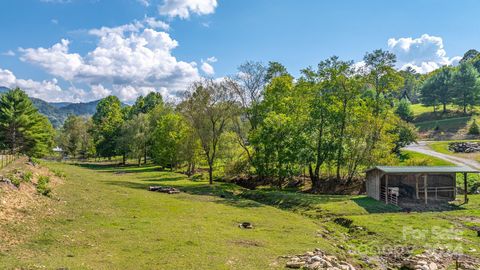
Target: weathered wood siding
x,y
373,184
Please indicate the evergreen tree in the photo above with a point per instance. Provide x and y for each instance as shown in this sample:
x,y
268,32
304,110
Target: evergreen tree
x,y
22,128
438,88
466,86
474,129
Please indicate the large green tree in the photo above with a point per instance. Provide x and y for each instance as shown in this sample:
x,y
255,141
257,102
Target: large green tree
x,y
22,128
171,141
208,107
107,121
438,88
75,138
134,137
466,86
146,104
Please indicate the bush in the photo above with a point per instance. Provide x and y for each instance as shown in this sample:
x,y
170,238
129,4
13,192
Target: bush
x,y
14,179
474,129
404,111
237,167
473,182
27,177
42,185
418,162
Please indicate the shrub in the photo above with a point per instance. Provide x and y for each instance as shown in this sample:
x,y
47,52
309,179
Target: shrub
x,y
15,179
404,111
27,176
42,185
59,173
474,129
418,162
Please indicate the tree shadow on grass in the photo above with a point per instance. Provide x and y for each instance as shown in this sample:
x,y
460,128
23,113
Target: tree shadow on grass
x,y
222,194
121,169
373,206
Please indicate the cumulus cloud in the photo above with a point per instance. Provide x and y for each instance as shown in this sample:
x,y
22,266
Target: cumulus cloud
x,y
184,8
128,61
423,54
48,90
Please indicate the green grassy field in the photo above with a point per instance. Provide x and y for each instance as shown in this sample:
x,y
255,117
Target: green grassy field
x,y
411,158
106,219
453,121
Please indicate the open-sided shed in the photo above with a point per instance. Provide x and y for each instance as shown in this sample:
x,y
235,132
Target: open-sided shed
x,y
415,184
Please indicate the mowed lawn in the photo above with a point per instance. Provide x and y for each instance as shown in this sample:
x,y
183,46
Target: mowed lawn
x,y
108,220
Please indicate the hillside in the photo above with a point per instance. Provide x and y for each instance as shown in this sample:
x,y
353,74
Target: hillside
x,y
57,112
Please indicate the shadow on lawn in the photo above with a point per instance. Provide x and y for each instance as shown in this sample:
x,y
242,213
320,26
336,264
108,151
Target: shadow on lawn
x,y
221,193
373,206
115,168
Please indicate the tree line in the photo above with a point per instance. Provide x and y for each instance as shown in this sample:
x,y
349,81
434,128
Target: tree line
x,y
330,123
456,85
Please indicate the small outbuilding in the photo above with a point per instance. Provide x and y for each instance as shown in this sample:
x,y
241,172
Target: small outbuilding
x,y
415,184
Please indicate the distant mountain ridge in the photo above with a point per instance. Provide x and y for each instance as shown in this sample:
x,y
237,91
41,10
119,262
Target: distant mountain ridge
x,y
57,112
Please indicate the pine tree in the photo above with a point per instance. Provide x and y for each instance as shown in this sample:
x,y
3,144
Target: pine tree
x,y
22,128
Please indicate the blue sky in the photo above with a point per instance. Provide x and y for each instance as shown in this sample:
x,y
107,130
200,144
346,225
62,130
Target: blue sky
x,y
52,50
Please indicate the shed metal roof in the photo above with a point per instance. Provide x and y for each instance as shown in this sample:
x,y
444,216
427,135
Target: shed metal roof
x,y
425,169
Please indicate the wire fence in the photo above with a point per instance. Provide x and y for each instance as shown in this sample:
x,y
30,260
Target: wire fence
x,y
6,158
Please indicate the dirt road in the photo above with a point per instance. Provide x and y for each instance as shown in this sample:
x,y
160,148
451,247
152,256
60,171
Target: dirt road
x,y
422,147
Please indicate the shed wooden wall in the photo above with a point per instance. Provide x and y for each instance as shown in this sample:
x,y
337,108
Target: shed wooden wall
x,y
373,184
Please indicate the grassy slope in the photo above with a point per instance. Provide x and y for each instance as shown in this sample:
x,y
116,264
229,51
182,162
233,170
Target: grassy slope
x,y
111,221
411,158
453,121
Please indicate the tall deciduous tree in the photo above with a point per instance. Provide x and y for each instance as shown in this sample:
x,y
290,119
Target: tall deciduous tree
x,y
248,85
171,141
75,138
146,104
208,108
107,121
22,128
134,137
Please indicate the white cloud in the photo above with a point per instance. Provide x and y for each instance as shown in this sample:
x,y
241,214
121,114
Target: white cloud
x,y
184,8
48,90
212,59
98,91
424,54
207,68
144,2
128,61
9,53
54,21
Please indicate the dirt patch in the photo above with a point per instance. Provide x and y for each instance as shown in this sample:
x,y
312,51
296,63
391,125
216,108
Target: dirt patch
x,y
21,206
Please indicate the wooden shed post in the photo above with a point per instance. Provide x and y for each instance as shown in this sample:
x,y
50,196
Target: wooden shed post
x,y
386,189
425,186
416,185
465,187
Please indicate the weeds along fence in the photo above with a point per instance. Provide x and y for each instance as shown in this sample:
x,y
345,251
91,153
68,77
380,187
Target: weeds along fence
x,y
6,158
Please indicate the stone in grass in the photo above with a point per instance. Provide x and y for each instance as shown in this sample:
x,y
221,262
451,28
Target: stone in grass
x,y
295,264
245,225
